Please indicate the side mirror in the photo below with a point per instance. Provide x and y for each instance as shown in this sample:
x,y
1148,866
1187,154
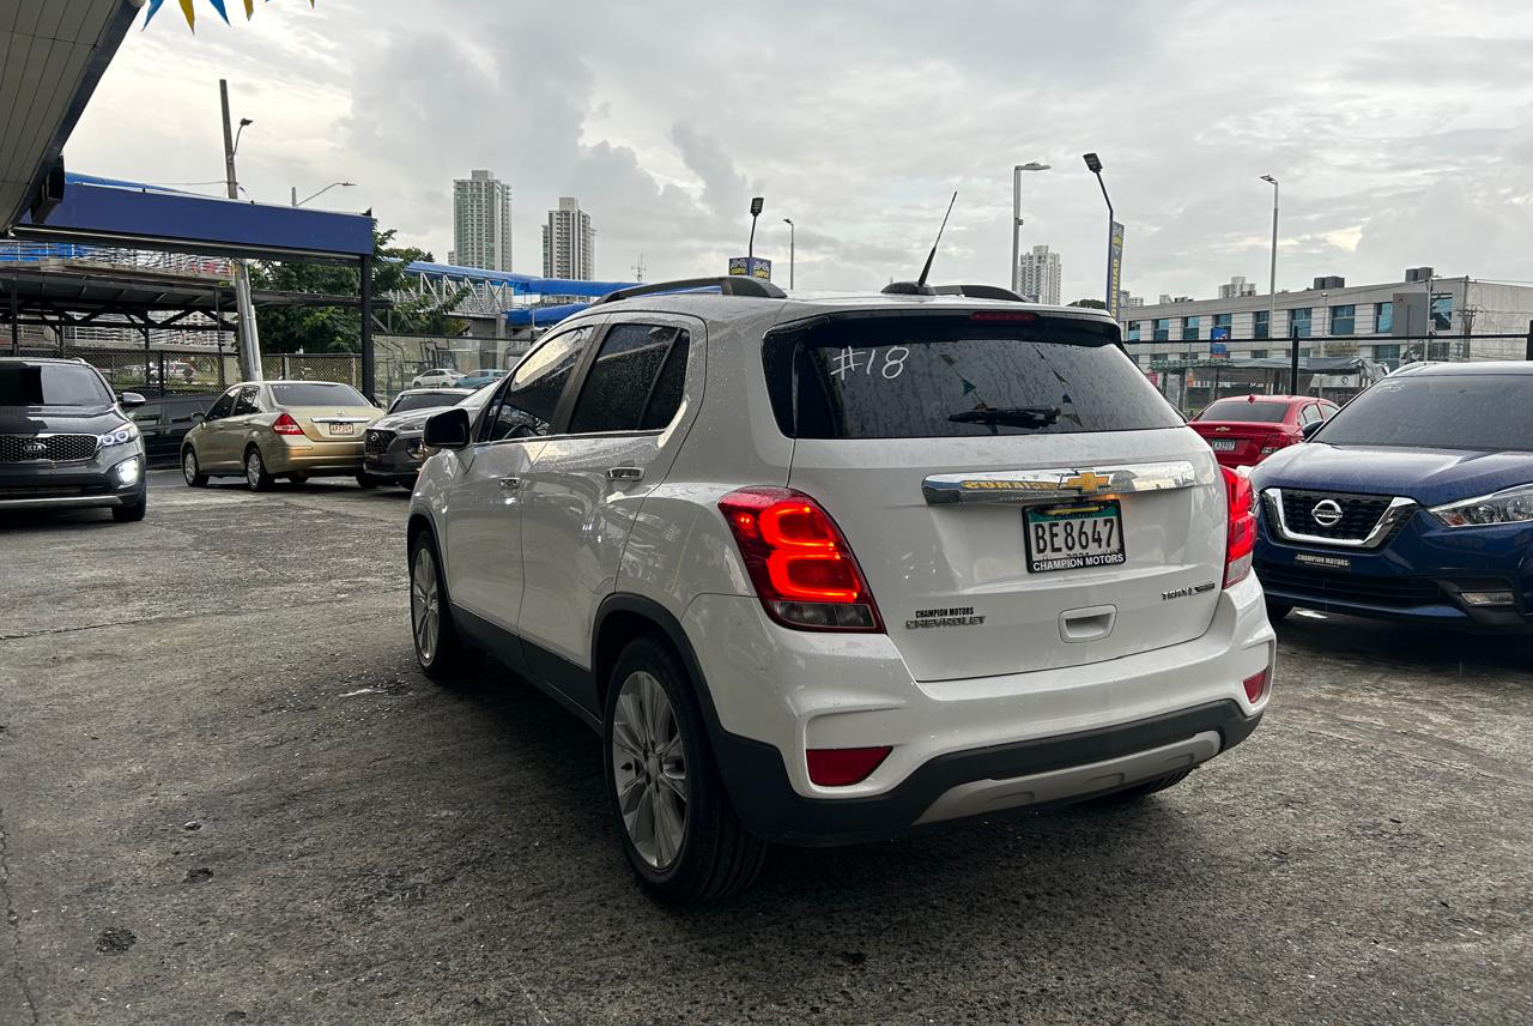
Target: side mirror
x,y
131,399
198,418
447,430
1309,429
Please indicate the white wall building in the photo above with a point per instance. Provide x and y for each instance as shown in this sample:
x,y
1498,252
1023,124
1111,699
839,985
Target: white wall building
x,y
1040,275
569,242
1387,323
481,222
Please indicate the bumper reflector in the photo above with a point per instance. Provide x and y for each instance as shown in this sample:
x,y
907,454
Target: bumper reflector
x,y
1256,686
1487,598
838,767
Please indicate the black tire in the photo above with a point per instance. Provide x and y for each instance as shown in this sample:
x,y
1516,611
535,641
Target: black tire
x,y
717,857
1144,789
257,479
131,514
367,481
191,469
1277,610
298,480
443,656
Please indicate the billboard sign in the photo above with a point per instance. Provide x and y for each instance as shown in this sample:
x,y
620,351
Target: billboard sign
x,y
1115,269
755,267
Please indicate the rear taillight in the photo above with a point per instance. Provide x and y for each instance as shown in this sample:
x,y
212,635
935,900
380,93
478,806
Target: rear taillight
x,y
1241,540
838,767
1279,440
803,570
1256,686
286,425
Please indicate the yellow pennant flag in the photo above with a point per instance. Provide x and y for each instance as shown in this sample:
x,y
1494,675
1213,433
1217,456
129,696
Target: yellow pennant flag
x,y
191,15
249,9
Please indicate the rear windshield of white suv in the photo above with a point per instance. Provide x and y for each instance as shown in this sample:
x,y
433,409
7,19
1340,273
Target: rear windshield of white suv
x,y
316,394
907,375
52,384
1490,412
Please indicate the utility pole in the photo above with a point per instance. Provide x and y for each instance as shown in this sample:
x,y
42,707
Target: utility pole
x,y
638,270
1272,279
249,337
792,247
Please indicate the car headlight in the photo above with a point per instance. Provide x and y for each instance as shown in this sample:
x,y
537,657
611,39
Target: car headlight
x,y
1508,506
120,435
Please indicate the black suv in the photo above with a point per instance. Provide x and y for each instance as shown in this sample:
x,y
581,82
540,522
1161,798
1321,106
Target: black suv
x,y
65,442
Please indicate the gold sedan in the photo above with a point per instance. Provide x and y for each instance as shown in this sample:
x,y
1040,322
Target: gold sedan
x,y
269,429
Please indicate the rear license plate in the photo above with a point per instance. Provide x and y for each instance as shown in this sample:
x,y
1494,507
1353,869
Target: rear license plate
x,y
1073,537
343,429
1223,444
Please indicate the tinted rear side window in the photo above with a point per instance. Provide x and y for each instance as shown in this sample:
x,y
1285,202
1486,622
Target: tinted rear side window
x,y
908,376
1493,412
625,381
316,394
1242,411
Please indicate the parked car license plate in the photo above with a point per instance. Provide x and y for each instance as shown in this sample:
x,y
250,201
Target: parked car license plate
x,y
343,429
1223,444
1071,537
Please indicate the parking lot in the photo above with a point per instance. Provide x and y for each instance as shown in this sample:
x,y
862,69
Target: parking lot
x,y
228,795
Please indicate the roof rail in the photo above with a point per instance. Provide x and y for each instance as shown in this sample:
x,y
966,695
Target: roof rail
x,y
729,285
980,292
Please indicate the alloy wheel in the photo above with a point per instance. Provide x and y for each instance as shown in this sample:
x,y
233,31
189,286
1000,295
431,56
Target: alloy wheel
x,y
425,609
650,770
253,469
189,466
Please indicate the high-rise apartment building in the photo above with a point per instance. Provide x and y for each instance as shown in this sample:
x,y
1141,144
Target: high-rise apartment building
x,y
1040,275
569,242
481,222
1238,288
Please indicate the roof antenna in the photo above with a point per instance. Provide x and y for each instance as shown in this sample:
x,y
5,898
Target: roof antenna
x,y
919,287
921,281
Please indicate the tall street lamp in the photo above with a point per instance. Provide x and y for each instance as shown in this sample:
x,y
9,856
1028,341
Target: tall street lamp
x,y
1114,235
792,232
750,251
1016,220
333,185
1272,281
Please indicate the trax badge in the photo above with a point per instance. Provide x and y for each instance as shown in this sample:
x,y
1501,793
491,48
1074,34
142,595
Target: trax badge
x,y
1192,589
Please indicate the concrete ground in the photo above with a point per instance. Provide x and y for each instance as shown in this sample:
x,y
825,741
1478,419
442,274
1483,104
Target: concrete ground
x,y
227,795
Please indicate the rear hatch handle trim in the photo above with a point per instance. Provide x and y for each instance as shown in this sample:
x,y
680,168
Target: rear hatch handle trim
x,y
1014,487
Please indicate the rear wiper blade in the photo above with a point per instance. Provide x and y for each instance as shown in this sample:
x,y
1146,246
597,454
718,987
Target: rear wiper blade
x,y
1012,416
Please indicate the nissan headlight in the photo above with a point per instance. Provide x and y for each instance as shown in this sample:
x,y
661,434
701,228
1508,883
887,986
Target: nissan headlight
x,y
1508,506
120,435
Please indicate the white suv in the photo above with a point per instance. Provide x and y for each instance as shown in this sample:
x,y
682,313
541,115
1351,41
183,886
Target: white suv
x,y
823,569
441,377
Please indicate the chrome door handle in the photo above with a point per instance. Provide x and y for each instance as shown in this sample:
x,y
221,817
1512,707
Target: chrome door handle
x,y
510,484
625,474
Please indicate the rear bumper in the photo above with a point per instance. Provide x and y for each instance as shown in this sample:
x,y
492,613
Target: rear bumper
x,y
1005,739
1024,774
309,457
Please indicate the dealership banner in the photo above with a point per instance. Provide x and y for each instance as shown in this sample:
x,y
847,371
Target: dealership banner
x,y
188,8
1115,270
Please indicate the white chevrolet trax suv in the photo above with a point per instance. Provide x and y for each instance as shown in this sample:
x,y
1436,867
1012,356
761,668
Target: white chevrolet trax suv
x,y
823,569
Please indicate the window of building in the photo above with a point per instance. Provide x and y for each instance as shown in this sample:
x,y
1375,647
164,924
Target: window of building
x,y
1343,320
1258,354
1133,331
1189,329
1225,321
1300,322
1442,311
1387,354
1383,317
1261,326
1162,329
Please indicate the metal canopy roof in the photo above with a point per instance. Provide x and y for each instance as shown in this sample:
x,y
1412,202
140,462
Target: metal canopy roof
x,y
518,283
52,54
143,217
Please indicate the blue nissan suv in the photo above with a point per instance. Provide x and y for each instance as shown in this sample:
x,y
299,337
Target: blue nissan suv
x,y
1414,503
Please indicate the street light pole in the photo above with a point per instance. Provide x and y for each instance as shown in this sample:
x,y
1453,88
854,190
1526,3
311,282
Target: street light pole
x,y
750,250
333,185
1094,165
1272,281
1016,220
792,232
249,337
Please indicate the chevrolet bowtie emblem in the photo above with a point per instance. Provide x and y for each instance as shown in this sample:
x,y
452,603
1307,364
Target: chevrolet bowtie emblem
x,y
1088,482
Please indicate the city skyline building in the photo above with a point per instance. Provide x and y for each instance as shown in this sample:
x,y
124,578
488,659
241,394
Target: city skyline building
x,y
569,242
481,222
1040,274
1238,288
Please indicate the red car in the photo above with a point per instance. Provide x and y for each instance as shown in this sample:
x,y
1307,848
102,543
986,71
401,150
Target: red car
x,y
1247,430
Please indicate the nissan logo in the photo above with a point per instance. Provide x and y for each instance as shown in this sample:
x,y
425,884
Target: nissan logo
x,y
35,448
1327,513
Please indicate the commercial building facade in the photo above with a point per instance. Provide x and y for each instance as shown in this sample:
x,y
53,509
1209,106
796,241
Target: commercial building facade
x,y
569,242
1040,275
1388,323
481,222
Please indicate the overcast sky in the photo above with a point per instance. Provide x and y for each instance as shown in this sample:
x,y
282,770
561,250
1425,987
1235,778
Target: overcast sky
x,y
1402,132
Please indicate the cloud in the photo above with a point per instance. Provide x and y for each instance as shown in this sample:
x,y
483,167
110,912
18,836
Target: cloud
x,y
1398,140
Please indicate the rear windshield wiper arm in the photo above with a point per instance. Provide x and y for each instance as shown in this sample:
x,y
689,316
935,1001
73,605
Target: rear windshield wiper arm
x,y
1012,416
